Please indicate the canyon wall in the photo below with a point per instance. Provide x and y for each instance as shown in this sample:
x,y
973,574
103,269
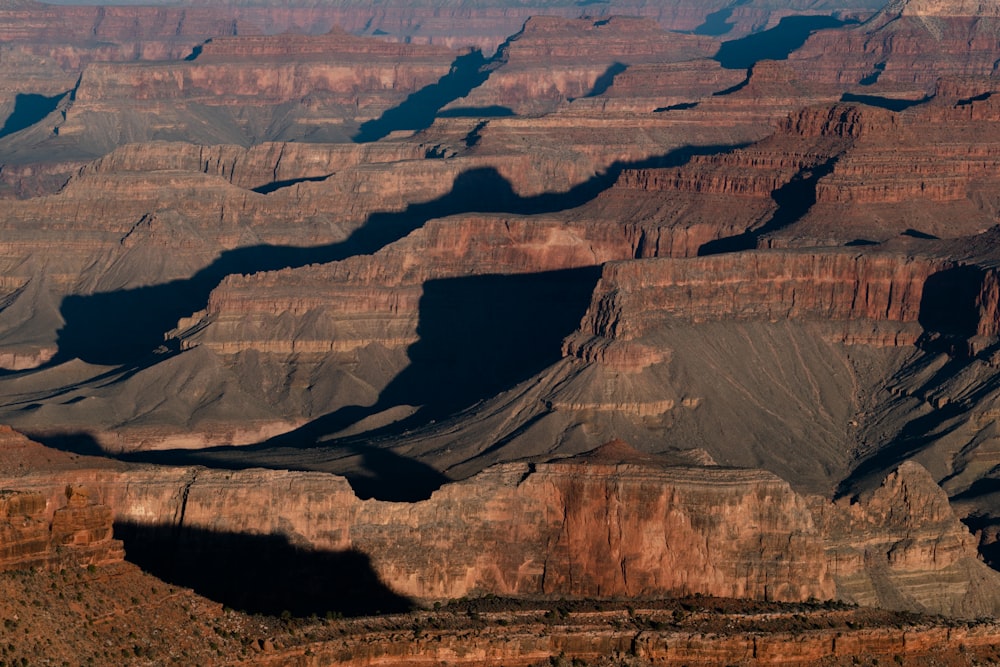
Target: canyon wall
x,y
635,297
613,524
41,532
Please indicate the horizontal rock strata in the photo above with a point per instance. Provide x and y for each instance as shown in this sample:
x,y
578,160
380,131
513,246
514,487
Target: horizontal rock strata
x,y
587,528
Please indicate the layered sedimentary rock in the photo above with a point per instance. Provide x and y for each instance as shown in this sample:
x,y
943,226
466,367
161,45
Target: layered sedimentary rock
x,y
34,536
889,51
331,78
578,59
426,286
388,290
610,525
522,642
155,32
634,298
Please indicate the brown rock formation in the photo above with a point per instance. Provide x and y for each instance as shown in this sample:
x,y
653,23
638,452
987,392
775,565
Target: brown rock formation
x,y
838,285
31,536
525,641
586,528
890,49
552,60
810,347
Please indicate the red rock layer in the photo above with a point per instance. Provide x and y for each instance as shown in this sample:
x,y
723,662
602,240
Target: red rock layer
x,y
552,60
938,153
347,305
591,529
263,69
891,49
633,297
158,32
32,536
524,645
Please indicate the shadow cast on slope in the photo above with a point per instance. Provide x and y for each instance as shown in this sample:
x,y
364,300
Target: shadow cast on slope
x,y
29,108
418,111
949,303
978,524
717,23
124,327
774,44
478,336
887,103
949,315
260,573
606,79
794,199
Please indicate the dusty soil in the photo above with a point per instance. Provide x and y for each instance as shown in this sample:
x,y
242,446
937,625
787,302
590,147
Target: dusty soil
x,y
119,615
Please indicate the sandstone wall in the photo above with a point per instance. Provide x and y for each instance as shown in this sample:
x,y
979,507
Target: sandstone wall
x,y
40,531
635,297
588,529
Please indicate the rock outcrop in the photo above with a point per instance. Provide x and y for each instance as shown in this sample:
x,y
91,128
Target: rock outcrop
x,y
614,524
33,536
636,297
889,51
523,643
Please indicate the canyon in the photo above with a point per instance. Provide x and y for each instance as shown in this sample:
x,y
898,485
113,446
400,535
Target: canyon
x,y
377,312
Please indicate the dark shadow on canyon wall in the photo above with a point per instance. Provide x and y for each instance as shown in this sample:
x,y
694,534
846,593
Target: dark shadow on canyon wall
x,y
418,111
872,79
260,573
774,44
274,186
887,103
949,303
949,314
478,336
794,199
606,79
482,334
491,111
682,106
385,475
126,326
984,525
80,443
717,23
29,108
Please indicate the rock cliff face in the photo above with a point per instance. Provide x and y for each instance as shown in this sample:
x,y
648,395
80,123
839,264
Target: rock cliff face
x,y
889,50
636,297
151,32
594,527
34,536
599,232
551,60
